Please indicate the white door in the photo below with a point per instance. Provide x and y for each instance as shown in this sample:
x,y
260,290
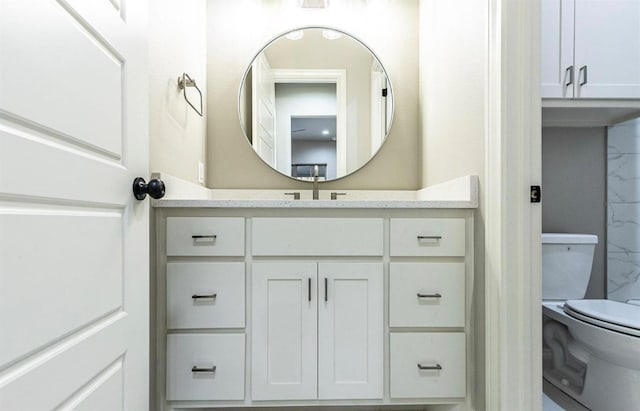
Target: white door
x,y
263,112
607,48
350,329
558,72
378,107
73,241
284,318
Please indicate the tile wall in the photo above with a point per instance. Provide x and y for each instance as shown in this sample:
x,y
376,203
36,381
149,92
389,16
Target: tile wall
x,y
623,209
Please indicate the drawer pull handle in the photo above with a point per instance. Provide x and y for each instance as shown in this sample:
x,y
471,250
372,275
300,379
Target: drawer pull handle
x,y
202,237
436,295
203,296
309,289
200,369
429,367
429,237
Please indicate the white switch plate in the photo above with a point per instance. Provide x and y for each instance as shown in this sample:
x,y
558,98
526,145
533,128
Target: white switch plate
x,y
200,172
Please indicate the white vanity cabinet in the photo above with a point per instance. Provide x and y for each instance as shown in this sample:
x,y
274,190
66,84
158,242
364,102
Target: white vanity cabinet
x,y
426,295
317,330
313,307
591,49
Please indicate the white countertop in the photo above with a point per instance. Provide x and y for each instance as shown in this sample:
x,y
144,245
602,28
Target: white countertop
x,y
458,193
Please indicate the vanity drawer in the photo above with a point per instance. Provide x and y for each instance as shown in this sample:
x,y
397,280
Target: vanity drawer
x,y
205,236
318,236
443,353
205,295
428,237
225,352
426,294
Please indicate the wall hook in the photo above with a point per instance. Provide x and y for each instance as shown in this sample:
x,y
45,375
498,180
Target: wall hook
x,y
185,81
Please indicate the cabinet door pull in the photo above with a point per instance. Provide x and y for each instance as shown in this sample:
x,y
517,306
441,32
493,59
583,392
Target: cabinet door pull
x,y
569,71
583,69
203,237
309,289
429,237
436,295
195,368
429,367
326,292
203,296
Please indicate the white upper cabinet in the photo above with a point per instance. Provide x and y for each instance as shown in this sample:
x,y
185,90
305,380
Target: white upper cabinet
x,y
591,49
558,70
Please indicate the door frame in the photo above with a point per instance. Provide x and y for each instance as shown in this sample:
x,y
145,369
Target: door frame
x,y
332,76
513,330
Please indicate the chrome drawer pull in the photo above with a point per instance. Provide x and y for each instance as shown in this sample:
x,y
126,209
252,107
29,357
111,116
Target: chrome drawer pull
x,y
429,237
436,295
201,296
198,369
429,367
202,237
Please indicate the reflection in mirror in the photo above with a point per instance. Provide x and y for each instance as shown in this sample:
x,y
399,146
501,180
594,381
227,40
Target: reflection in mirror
x,y
316,97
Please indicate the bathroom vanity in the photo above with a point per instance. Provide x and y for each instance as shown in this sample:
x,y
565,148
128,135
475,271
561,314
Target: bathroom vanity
x,y
300,302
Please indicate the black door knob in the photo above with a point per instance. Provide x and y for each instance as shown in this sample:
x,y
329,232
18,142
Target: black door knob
x,y
155,188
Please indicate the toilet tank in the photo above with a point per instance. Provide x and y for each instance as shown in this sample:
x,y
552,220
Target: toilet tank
x,y
566,265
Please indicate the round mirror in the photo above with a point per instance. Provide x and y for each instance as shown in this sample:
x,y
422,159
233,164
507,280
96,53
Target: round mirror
x,y
316,102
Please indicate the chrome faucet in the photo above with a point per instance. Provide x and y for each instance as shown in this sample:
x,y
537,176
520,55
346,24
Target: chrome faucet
x,y
316,192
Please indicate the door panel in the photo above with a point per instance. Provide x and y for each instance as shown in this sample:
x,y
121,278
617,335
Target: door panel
x,y
284,331
85,271
350,323
264,117
73,241
70,84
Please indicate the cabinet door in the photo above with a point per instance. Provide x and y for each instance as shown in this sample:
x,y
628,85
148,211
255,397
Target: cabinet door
x,y
607,44
284,341
350,317
557,48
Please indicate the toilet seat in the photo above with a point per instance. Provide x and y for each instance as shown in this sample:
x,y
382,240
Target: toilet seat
x,y
609,314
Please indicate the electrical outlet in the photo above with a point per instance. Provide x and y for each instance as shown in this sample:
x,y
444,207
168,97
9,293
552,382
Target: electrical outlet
x,y
200,172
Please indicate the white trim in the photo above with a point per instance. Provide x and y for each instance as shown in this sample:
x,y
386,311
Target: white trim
x,y
339,77
513,225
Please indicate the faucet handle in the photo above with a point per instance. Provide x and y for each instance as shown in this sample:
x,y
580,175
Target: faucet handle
x,y
334,195
296,195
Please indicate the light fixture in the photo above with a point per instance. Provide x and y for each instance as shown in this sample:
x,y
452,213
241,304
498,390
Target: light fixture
x,y
325,132
314,4
295,35
331,34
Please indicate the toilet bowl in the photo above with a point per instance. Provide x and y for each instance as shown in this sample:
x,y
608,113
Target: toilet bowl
x,y
591,347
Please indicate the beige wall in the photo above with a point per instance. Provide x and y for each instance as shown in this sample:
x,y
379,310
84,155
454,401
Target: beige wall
x,y
453,103
237,30
177,44
453,47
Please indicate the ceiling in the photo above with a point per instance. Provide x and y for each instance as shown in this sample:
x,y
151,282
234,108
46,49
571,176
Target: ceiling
x,y
310,128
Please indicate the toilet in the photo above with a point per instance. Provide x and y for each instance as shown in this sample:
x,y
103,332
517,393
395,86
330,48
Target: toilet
x,y
591,348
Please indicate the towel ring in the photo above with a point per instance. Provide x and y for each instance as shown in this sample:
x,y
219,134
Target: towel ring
x,y
185,81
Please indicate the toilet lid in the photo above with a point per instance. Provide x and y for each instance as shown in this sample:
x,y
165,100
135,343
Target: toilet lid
x,y
613,315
